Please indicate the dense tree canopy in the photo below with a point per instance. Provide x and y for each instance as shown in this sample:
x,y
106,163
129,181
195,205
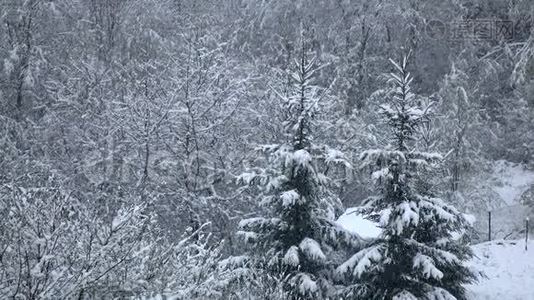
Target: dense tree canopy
x,y
126,127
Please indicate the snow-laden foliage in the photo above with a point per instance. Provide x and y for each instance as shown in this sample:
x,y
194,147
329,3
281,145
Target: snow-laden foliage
x,y
56,244
297,237
418,254
140,113
55,247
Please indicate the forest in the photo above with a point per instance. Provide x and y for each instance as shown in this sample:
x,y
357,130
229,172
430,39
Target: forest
x,y
205,149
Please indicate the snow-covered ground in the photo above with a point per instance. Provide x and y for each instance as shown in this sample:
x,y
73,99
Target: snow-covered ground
x,y
508,267
356,223
509,270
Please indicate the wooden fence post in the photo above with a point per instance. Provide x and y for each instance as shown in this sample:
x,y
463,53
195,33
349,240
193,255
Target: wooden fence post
x,y
489,225
526,234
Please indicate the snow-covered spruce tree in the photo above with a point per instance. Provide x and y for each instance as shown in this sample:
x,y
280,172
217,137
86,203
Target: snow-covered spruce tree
x,y
294,241
419,254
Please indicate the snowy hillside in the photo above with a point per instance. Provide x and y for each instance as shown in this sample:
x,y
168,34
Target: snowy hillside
x,y
509,270
510,181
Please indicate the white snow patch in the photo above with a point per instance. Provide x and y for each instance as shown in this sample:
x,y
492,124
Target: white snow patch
x,y
336,156
360,262
8,67
409,215
246,177
512,180
302,157
471,219
312,249
509,269
292,256
354,222
426,264
404,295
289,198
248,236
250,221
307,285
233,261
